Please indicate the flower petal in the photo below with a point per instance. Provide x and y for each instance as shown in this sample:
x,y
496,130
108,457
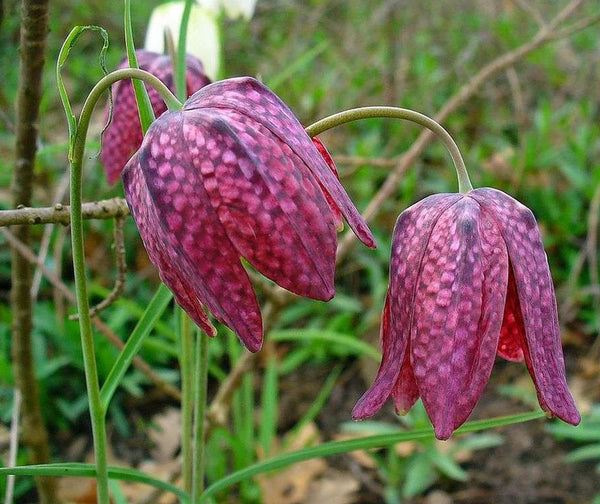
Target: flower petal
x,y
253,99
337,214
411,235
274,212
458,314
156,240
512,335
543,351
123,136
405,392
184,210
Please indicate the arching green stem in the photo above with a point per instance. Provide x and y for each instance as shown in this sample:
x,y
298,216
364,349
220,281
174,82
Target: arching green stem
x,y
97,410
464,183
145,111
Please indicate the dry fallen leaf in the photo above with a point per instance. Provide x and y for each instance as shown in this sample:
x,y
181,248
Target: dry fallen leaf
x,y
165,434
72,490
291,485
334,487
138,492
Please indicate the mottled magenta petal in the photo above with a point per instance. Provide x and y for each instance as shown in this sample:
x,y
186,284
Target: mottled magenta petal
x,y
124,134
411,235
337,213
512,335
458,314
405,392
273,211
161,251
184,209
249,97
543,351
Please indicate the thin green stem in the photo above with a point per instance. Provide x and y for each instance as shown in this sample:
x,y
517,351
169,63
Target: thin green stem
x,y
125,73
186,366
464,183
180,65
97,410
145,111
201,380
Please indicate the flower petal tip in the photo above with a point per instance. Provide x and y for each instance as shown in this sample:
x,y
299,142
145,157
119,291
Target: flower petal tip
x,y
366,236
328,294
570,415
365,408
253,346
443,432
443,436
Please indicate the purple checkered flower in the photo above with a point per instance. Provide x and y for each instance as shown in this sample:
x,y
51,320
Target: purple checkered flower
x,y
233,174
469,280
124,134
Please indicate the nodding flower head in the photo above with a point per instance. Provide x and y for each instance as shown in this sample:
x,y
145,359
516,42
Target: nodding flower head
x,y
233,174
469,280
123,136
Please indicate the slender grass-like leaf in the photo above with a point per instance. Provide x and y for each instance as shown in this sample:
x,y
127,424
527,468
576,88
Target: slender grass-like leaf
x,y
292,68
117,493
154,310
352,344
78,469
135,309
580,433
479,442
447,466
366,443
420,475
584,453
269,406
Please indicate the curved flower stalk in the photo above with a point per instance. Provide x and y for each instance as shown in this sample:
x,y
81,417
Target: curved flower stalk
x,y
124,135
469,280
233,174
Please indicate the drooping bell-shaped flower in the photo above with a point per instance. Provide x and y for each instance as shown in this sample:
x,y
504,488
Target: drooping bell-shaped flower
x,y
233,174
123,136
469,280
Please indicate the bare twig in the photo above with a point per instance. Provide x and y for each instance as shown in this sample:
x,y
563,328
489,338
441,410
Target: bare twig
x,y
359,160
61,191
59,214
531,9
575,27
